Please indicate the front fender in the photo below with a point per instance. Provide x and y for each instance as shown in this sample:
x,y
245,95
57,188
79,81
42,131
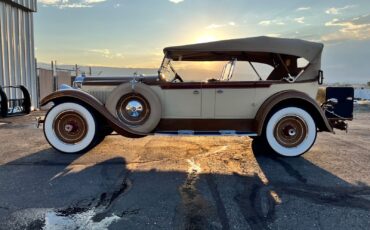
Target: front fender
x,y
89,100
292,97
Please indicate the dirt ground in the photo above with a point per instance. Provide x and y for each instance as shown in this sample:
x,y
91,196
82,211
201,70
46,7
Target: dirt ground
x,y
183,182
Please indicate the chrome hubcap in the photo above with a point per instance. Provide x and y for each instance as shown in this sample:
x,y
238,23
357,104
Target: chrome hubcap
x,y
68,128
289,131
134,108
292,132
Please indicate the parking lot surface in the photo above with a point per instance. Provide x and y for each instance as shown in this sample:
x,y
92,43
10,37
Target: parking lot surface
x,y
183,182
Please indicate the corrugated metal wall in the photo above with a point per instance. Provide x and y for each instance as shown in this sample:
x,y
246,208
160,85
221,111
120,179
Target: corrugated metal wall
x,y
17,57
29,4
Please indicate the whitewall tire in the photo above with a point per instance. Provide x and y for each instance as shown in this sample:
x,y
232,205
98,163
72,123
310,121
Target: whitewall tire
x,y
70,128
290,131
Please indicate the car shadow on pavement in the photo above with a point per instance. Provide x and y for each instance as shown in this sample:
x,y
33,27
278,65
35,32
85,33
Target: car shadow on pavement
x,y
48,190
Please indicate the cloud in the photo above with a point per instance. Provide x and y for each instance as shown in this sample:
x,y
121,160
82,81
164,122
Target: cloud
x,y
48,2
336,11
216,26
176,1
106,53
70,3
271,22
303,8
282,21
299,20
355,29
274,35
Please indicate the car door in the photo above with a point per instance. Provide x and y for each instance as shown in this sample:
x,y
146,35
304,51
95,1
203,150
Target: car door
x,y
182,100
234,100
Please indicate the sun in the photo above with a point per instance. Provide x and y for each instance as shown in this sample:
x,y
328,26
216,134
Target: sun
x,y
206,38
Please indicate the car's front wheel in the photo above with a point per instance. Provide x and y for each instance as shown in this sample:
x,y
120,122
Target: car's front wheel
x,y
290,131
71,128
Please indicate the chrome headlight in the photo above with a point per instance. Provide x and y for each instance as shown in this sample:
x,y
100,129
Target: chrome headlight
x,y
77,83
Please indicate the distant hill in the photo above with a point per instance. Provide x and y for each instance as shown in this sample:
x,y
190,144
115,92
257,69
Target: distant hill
x,y
102,71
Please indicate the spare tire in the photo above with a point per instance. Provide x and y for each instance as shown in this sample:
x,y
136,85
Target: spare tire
x,y
138,107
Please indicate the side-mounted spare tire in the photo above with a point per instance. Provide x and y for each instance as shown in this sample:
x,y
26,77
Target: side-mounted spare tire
x,y
136,106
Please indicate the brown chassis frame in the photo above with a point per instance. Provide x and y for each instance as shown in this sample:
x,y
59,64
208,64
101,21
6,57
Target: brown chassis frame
x,y
256,125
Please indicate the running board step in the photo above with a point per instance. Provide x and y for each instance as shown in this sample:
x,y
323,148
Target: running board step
x,y
205,133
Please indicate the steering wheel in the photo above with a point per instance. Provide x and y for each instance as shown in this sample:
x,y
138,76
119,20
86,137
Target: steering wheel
x,y
177,77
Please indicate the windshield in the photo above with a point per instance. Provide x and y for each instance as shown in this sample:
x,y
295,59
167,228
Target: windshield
x,y
167,71
228,70
203,71
194,71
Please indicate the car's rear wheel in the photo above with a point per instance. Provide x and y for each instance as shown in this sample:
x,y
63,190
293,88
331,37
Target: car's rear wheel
x,y
290,131
71,128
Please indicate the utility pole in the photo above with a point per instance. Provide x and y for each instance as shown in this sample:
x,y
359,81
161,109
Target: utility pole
x,y
52,68
76,70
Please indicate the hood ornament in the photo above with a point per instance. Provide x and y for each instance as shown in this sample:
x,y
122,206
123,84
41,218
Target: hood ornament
x,y
133,82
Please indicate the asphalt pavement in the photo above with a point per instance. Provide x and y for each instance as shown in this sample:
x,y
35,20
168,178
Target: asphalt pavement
x,y
183,182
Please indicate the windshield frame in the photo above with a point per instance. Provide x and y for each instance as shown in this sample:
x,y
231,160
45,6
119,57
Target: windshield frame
x,y
166,66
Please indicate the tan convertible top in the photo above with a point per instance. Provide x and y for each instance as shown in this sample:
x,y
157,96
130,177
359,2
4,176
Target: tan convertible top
x,y
256,49
294,47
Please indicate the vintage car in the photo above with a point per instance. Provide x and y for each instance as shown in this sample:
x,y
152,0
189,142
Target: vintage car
x,y
284,109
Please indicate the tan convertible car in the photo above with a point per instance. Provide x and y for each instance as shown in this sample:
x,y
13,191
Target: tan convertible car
x,y
282,105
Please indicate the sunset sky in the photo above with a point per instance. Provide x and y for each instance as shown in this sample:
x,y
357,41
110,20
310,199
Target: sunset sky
x,y
133,33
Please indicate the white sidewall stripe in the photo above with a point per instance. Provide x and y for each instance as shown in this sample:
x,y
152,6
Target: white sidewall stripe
x,y
55,141
301,148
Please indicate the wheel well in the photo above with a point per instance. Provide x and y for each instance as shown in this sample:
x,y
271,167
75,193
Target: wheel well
x,y
303,104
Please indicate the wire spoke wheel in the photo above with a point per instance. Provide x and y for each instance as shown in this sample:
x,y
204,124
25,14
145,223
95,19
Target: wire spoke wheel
x,y
290,131
70,127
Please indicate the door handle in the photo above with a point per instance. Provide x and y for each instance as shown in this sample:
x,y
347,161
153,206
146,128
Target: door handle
x,y
195,92
220,91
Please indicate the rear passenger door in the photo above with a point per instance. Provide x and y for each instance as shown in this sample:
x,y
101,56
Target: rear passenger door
x,y
234,100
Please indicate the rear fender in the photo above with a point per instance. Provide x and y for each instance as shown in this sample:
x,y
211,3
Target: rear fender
x,y
87,99
292,98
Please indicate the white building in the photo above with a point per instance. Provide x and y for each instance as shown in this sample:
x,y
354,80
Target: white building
x,y
17,56
363,93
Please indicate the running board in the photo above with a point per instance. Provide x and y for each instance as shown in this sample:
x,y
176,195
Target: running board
x,y
205,133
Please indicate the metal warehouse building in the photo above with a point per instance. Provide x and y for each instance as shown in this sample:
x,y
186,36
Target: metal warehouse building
x,y
17,56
